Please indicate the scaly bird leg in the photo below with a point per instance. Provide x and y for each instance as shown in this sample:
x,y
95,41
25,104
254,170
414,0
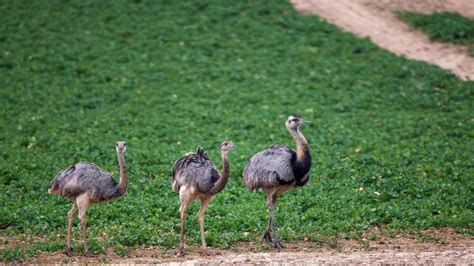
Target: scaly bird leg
x,y
271,201
70,219
83,204
202,210
183,223
267,234
185,197
276,241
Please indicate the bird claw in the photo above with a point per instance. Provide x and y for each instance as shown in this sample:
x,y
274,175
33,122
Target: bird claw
x,y
267,238
87,253
69,252
278,245
205,252
181,252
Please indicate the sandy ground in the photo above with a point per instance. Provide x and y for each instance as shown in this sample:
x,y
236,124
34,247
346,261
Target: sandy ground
x,y
375,19
440,246
384,257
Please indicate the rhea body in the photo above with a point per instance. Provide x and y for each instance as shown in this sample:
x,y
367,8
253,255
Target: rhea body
x,y
196,177
85,184
278,168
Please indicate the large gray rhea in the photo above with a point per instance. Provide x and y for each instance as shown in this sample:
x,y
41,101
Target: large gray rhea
x,y
85,184
196,177
277,169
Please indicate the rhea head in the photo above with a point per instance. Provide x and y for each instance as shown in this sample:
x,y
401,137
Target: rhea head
x,y
294,121
227,145
121,146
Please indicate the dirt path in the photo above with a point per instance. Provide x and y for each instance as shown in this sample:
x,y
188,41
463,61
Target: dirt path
x,y
439,246
387,257
367,257
375,19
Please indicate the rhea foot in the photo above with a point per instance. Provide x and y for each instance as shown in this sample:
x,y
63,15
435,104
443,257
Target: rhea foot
x,y
69,252
181,251
277,244
205,252
267,238
87,253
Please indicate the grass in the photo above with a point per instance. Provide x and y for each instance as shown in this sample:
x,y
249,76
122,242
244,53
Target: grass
x,y
443,26
169,76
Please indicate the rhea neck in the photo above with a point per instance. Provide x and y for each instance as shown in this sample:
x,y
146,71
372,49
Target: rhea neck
x,y
302,146
123,183
224,175
302,164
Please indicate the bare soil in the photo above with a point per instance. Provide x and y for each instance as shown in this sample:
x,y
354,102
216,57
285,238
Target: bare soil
x,y
376,20
438,246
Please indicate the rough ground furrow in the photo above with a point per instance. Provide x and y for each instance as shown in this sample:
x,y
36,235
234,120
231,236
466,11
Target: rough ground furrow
x,y
375,19
438,258
444,246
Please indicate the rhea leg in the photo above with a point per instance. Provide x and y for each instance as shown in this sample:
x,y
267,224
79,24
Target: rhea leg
x,y
202,210
183,222
83,204
271,200
266,235
70,219
185,198
276,242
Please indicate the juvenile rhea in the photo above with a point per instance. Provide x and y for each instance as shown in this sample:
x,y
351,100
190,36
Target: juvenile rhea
x,y
85,184
277,169
196,177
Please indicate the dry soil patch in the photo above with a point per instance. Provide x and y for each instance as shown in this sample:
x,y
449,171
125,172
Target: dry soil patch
x,y
439,246
375,19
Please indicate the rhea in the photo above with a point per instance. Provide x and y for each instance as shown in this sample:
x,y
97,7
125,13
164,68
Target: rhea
x,y
277,169
85,184
196,177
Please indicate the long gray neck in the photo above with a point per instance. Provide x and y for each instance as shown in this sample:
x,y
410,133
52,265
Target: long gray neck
x,y
123,183
222,181
302,146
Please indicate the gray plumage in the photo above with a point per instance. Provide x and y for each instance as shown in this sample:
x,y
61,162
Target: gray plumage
x,y
85,177
270,167
195,170
196,177
277,169
84,184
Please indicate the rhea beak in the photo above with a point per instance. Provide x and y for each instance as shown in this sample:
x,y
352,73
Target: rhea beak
x,y
305,121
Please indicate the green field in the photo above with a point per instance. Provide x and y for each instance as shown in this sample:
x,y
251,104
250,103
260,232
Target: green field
x,y
167,76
